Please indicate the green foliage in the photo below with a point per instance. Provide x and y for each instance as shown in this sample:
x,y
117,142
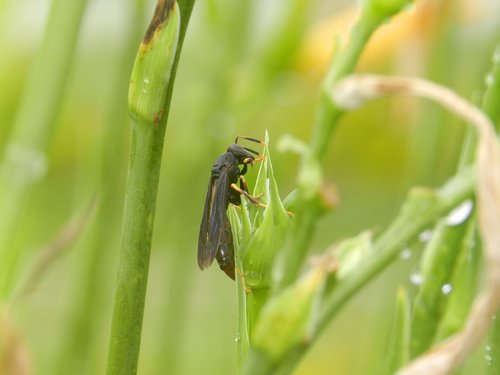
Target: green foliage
x,y
148,107
24,162
436,271
233,80
398,347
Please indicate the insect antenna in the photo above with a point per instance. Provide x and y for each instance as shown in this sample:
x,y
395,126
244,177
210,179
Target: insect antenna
x,y
249,139
259,157
252,151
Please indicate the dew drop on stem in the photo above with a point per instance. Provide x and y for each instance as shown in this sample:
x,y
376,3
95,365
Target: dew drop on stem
x,y
488,358
406,253
425,236
489,80
446,289
460,214
416,278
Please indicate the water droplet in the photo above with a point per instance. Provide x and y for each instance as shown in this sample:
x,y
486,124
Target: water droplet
x,y
146,80
460,214
446,289
488,359
237,338
416,278
425,236
406,253
489,80
487,348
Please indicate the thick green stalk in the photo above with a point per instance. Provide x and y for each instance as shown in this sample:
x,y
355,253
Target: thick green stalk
x,y
149,102
24,162
136,243
80,343
310,202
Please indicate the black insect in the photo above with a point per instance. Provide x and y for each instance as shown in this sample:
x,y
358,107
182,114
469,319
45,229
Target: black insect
x,y
215,239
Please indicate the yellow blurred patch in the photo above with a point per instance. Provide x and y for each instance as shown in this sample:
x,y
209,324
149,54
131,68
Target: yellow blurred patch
x,y
324,39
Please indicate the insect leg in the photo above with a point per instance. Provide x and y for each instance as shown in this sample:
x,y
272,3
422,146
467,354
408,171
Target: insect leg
x,y
244,186
244,169
243,283
249,197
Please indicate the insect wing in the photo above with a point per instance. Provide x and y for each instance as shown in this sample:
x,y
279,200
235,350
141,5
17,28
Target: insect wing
x,y
212,228
204,258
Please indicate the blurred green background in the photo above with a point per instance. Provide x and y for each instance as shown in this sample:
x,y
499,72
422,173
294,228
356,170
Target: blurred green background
x,y
246,66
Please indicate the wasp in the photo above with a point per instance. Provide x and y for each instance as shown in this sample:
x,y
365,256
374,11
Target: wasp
x,y
215,239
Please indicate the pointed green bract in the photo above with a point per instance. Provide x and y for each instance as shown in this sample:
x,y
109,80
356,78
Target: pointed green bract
x,y
259,232
268,237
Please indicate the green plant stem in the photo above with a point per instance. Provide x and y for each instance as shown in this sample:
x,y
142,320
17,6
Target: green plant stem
x,y
282,45
136,243
24,162
418,213
242,335
81,341
493,348
397,353
466,278
491,107
255,300
309,204
443,250
491,96
430,302
140,199
442,253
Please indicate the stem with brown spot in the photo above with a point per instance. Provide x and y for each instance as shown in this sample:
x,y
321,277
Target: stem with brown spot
x,y
150,95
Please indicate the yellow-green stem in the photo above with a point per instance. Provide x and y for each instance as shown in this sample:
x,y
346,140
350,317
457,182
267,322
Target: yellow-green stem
x,y
152,78
24,162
